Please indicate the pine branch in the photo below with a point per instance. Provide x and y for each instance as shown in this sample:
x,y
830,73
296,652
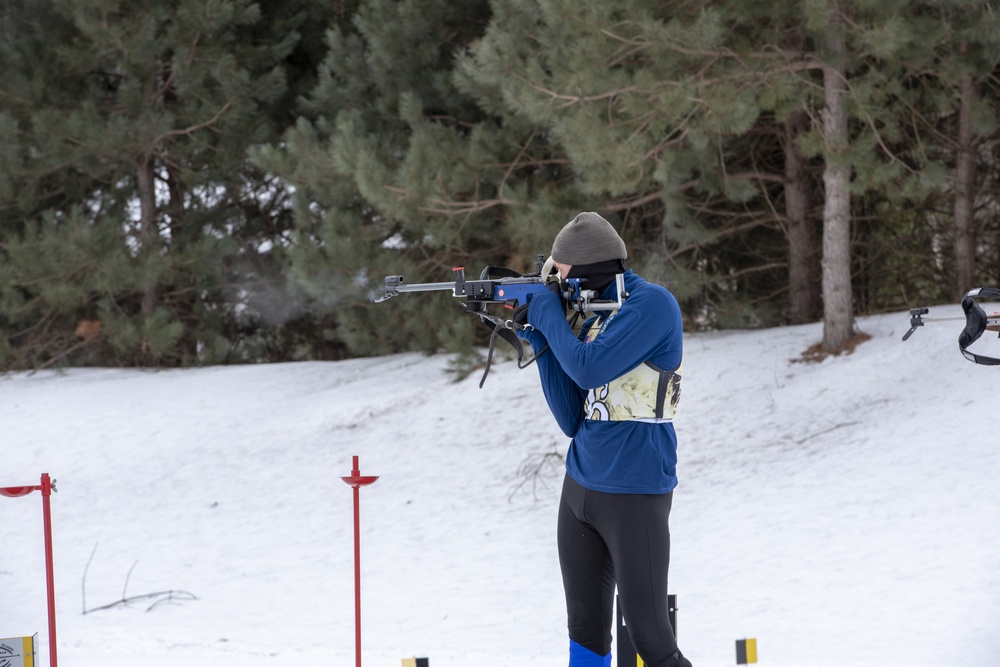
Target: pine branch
x,y
452,208
640,44
570,100
191,129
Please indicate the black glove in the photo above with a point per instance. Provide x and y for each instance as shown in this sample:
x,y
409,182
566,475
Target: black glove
x,y
520,317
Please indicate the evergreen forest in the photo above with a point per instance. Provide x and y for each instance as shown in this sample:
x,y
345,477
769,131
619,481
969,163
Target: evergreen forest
x,y
196,182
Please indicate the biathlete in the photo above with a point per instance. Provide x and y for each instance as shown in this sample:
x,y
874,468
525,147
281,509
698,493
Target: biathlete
x,y
613,389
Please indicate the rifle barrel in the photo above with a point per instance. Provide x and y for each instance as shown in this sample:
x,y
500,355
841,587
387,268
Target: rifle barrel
x,y
424,287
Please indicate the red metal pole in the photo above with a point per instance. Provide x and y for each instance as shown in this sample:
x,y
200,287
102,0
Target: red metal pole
x,y
357,570
357,480
47,487
49,566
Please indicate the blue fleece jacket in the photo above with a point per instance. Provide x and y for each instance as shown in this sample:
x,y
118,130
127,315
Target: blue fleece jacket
x,y
610,456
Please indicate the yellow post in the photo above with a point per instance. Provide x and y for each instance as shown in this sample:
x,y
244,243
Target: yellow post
x,y
29,651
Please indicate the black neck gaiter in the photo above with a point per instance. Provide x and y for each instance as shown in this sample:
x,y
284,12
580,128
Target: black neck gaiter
x,y
598,275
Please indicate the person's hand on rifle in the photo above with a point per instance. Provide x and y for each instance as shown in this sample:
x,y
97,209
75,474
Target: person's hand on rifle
x,y
520,317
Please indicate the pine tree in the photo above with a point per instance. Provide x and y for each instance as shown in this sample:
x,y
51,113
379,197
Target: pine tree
x,y
877,176
709,121
909,83
404,165
957,107
135,229
644,99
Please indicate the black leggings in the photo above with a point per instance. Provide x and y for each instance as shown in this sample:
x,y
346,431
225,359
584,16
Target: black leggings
x,y
607,539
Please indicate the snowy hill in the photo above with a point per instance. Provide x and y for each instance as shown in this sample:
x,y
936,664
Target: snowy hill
x,y
842,513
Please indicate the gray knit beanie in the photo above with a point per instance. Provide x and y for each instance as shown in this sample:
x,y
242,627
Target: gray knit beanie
x,y
587,239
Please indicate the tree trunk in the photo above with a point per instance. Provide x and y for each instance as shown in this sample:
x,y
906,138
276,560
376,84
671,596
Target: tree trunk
x,y
965,184
149,233
838,310
803,243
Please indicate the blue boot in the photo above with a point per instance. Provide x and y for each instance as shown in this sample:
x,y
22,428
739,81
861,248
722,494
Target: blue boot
x,y
580,656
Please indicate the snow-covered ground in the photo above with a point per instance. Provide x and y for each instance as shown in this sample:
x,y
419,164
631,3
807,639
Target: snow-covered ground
x,y
845,513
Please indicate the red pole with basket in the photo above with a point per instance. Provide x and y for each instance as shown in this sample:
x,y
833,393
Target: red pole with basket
x,y
356,480
47,487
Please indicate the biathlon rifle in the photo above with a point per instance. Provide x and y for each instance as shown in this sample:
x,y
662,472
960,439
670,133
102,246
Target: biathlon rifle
x,y
976,322
512,290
